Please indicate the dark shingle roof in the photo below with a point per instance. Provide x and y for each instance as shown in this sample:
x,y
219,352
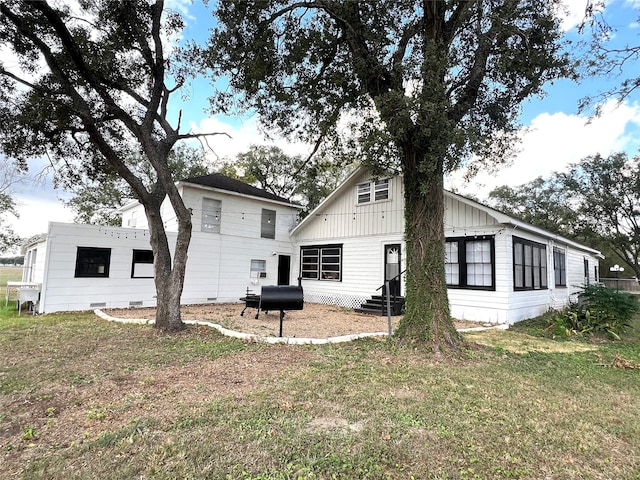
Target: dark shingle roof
x,y
222,182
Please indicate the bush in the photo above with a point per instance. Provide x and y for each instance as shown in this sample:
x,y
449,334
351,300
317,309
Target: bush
x,y
600,310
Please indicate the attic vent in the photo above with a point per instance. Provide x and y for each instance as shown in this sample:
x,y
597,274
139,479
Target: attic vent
x,y
135,304
98,305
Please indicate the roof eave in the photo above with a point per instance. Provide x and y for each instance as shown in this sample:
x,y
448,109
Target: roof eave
x,y
183,183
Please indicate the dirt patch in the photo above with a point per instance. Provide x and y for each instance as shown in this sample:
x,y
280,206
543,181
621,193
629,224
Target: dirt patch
x,y
314,321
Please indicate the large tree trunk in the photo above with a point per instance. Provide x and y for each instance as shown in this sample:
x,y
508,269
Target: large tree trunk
x,y
169,270
427,318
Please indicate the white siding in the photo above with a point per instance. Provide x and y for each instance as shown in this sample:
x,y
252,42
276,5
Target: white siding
x,y
34,263
218,267
460,216
364,237
362,270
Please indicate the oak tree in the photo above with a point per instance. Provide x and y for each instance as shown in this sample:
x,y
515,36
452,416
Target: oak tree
x,y
433,82
82,87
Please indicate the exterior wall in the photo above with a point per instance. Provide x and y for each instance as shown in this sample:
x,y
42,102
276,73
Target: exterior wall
x,y
362,270
218,268
34,263
362,232
345,218
462,219
484,305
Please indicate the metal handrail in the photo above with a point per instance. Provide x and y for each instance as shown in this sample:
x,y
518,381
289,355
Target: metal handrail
x,y
385,290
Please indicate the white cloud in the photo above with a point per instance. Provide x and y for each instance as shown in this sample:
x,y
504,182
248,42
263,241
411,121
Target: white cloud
x,y
555,140
35,214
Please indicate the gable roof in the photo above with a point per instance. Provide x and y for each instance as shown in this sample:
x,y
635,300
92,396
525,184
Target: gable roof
x,y
499,216
222,182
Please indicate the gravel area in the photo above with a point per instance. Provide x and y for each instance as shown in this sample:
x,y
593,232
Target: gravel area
x,y
314,321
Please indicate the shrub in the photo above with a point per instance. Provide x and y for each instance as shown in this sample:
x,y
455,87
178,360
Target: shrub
x,y
600,310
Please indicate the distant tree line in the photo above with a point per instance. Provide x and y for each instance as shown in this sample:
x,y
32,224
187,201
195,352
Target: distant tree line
x,y
18,260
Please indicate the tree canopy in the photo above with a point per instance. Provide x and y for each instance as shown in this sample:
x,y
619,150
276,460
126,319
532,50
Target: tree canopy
x,y
427,84
596,201
97,199
303,181
606,57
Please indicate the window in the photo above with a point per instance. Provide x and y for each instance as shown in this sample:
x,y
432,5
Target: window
x,y
380,191
560,267
529,265
142,264
321,263
258,269
92,262
586,271
211,215
268,224
364,193
469,263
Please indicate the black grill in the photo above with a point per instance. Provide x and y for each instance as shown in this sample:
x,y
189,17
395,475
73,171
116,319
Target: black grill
x,y
281,297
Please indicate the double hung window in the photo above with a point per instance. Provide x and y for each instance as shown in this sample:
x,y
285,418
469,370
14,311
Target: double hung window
x,y
321,262
560,267
529,265
469,263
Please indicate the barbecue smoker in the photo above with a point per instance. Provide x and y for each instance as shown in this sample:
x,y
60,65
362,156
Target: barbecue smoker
x,y
272,297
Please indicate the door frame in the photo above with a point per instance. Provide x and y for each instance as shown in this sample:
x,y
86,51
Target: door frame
x,y
284,269
395,287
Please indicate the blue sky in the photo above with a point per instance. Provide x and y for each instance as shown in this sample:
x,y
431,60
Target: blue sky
x,y
557,134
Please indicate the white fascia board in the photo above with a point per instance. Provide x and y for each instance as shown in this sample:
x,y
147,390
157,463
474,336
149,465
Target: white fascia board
x,y
243,195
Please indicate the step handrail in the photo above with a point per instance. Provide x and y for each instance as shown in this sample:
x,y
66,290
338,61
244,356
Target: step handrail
x,y
385,290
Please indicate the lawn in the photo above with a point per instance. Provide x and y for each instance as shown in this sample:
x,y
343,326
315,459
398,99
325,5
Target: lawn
x,y
9,274
83,398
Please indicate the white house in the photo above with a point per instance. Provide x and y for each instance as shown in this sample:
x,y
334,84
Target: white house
x,y
240,240
499,269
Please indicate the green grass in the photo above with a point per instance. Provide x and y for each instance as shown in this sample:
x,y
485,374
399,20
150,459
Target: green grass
x,y
9,274
83,398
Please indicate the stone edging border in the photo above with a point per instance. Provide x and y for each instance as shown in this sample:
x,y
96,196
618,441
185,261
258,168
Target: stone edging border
x,y
273,340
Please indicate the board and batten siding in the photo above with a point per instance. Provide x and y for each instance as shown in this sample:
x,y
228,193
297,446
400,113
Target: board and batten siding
x,y
362,231
344,217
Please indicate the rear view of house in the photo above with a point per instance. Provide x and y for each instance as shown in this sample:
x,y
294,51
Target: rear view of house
x,y
498,269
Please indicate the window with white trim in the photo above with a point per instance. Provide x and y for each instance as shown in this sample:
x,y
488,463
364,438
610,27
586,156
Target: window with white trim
x,y
258,268
529,265
469,263
211,215
321,262
374,191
